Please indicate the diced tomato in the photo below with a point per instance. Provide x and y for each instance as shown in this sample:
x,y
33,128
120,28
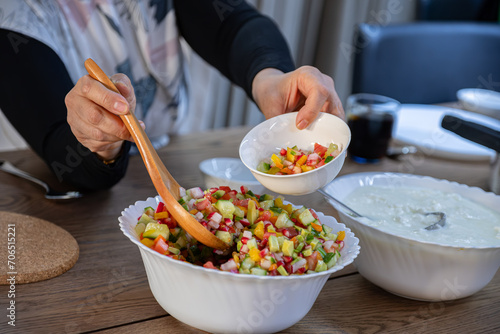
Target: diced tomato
x,y
321,163
203,204
160,245
209,265
320,149
171,222
265,216
241,202
289,232
161,207
245,222
273,272
225,188
301,270
283,151
312,260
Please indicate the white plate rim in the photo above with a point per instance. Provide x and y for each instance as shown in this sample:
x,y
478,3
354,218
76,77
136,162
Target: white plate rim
x,y
434,143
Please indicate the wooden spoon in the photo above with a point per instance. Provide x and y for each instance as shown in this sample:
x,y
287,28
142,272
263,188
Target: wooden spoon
x,y
165,184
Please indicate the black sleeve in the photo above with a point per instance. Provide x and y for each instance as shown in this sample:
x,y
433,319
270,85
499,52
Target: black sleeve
x,y
33,85
233,37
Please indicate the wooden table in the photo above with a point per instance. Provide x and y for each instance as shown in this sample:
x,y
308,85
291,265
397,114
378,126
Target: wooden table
x,y
107,290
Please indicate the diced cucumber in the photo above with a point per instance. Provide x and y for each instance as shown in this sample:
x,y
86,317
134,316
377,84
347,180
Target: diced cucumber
x,y
307,251
320,250
252,243
263,167
282,271
149,211
239,212
266,197
267,204
331,259
181,241
299,247
331,236
276,210
145,219
219,193
298,211
283,221
153,230
226,208
274,245
174,250
258,271
306,217
314,243
225,236
247,263
281,239
139,228
320,266
176,231
327,229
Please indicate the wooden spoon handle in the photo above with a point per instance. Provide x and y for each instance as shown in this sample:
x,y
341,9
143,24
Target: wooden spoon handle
x,y
164,183
135,129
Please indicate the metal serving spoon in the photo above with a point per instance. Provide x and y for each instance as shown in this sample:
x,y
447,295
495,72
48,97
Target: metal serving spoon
x,y
165,184
439,224
49,192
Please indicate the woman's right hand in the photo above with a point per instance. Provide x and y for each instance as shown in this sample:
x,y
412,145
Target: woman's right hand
x,y
93,114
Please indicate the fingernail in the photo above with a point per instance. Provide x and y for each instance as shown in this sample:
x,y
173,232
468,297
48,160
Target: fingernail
x,y
302,124
120,107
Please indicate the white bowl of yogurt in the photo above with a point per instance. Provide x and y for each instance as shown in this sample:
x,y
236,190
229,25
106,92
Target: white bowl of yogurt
x,y
399,255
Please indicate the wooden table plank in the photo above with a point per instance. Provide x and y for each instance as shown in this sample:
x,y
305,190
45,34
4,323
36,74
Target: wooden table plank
x,y
107,289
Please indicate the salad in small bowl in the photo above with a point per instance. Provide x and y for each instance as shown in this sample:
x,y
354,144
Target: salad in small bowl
x,y
290,161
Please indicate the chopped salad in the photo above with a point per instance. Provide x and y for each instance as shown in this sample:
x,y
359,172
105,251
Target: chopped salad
x,y
292,160
266,235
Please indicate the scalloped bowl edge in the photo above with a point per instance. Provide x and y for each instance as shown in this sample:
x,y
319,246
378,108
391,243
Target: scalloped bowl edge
x,y
224,302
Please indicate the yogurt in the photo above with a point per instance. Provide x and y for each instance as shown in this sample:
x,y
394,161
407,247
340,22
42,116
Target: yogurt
x,y
400,211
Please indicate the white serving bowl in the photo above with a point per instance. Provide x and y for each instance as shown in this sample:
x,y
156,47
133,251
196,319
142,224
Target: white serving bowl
x,y
229,172
483,101
416,269
280,132
223,302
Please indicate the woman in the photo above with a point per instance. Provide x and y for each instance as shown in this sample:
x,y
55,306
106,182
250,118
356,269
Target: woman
x,y
72,121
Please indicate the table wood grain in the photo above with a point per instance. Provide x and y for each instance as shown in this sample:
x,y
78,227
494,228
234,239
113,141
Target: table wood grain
x,y
107,289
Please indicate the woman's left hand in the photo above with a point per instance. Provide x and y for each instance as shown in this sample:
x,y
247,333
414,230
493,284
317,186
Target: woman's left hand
x,y
305,90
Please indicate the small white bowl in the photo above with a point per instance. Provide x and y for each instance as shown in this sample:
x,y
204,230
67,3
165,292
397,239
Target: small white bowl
x,y
280,132
483,101
229,172
222,302
414,269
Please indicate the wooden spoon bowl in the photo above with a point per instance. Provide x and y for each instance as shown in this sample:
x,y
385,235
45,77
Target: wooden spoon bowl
x,y
165,184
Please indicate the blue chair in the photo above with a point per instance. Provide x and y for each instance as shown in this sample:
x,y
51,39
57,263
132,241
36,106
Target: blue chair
x,y
426,62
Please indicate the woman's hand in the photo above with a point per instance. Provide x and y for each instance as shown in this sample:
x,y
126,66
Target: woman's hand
x,y
93,114
305,90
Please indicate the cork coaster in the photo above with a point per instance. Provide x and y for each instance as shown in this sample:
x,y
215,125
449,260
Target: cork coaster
x,y
33,250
